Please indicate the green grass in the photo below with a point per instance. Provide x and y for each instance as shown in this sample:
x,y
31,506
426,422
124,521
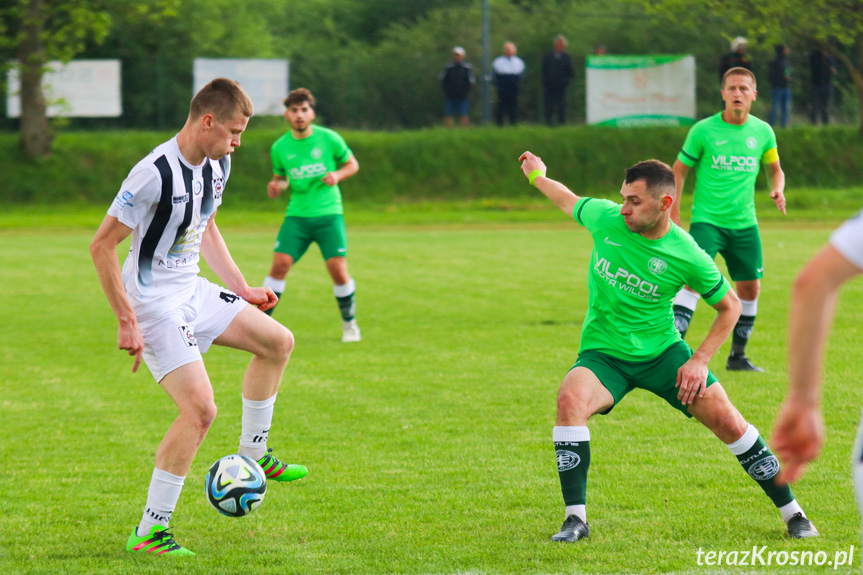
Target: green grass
x,y
429,442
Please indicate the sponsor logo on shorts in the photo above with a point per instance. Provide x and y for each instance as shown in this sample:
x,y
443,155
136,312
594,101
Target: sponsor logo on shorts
x,y
765,469
188,335
567,460
760,270
657,265
228,297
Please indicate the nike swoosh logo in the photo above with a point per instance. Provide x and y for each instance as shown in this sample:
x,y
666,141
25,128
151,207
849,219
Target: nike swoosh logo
x,y
608,241
291,156
721,142
759,270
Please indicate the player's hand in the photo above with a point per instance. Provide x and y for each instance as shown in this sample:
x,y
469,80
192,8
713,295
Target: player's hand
x,y
797,438
129,339
331,179
778,199
276,187
691,381
263,298
529,163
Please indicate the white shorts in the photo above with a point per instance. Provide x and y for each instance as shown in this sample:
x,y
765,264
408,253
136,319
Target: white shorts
x,y
848,240
181,335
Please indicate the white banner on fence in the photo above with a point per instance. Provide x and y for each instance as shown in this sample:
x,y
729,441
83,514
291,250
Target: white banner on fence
x,y
641,90
265,80
79,89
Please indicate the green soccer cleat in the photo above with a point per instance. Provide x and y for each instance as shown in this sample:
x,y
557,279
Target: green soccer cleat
x,y
277,471
159,542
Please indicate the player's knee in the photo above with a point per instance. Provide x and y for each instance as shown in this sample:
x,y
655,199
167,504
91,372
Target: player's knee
x,y
730,424
572,403
282,345
203,414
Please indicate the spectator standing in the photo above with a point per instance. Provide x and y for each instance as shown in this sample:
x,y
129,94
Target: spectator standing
x,y
779,74
457,79
508,71
822,68
737,58
556,76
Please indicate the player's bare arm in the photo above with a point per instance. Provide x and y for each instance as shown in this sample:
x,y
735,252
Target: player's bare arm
x,y
776,177
277,185
103,250
560,195
692,375
348,169
680,170
799,430
215,252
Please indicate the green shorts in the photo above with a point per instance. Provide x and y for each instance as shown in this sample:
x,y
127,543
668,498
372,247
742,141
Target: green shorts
x,y
328,232
657,375
741,249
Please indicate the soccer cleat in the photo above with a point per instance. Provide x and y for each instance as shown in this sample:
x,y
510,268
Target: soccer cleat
x,y
572,530
741,363
350,331
799,527
277,471
160,541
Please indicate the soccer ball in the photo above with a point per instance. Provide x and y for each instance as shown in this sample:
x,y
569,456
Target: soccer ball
x,y
235,485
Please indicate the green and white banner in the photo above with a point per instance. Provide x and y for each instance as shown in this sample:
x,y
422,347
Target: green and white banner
x,y
630,91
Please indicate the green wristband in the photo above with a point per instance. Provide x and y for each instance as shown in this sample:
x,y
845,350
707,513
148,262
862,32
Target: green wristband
x,y
534,175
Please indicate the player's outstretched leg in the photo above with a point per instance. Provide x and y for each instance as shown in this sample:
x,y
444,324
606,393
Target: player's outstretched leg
x,y
716,412
275,470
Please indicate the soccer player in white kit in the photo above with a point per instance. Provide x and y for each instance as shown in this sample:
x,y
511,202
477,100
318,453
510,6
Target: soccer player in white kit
x,y
799,430
169,316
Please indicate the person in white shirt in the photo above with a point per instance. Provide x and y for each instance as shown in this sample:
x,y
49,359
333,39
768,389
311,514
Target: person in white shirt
x,y
508,70
168,315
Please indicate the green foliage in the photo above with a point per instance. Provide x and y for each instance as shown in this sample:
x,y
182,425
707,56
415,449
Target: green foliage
x,y
412,166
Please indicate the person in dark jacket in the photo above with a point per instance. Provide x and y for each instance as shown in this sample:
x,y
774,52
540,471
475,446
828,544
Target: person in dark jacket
x,y
779,74
737,58
508,71
457,79
822,68
556,76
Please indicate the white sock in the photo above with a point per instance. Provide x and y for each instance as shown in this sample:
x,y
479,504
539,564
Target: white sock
x,y
577,510
345,290
277,286
687,299
746,441
257,418
162,498
790,510
749,307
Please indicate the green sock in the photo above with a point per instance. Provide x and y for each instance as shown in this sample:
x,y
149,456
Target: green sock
x,y
572,448
741,334
270,311
347,306
759,462
682,318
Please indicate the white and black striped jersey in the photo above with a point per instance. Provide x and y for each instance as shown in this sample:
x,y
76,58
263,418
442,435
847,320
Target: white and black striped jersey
x,y
167,203
848,240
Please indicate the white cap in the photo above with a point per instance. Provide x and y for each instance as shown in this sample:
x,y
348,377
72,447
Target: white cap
x,y
737,42
458,50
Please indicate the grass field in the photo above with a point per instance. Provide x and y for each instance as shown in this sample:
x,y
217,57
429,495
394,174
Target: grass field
x,y
428,443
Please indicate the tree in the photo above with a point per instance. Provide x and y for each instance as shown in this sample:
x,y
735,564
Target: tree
x,y
36,32
836,25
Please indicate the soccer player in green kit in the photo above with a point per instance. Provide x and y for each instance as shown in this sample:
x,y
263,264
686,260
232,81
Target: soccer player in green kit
x,y
310,161
639,262
727,150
